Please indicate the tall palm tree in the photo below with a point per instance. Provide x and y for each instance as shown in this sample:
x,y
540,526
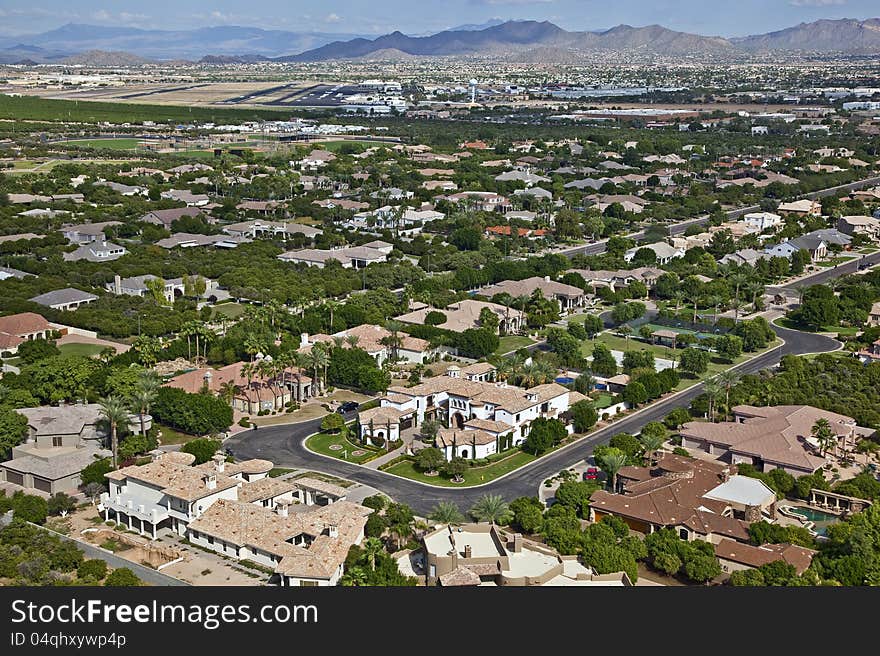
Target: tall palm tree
x,y
114,411
612,462
446,512
227,391
352,340
318,361
626,330
145,393
394,327
712,389
491,508
332,306
372,547
728,379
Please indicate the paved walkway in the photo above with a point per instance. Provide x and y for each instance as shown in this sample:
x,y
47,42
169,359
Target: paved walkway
x,y
375,463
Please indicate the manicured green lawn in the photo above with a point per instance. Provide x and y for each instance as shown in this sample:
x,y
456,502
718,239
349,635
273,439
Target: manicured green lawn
x,y
785,322
87,350
513,343
835,261
473,476
228,310
171,436
275,472
603,400
321,443
115,144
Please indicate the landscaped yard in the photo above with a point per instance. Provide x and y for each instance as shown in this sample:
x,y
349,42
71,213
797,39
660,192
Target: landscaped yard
x,y
473,476
228,310
603,400
336,446
513,343
171,436
785,322
835,261
87,350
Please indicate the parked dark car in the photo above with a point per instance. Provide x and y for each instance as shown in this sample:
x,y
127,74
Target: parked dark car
x,y
348,406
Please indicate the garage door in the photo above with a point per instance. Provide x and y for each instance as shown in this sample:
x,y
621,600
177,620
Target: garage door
x,y
43,485
14,477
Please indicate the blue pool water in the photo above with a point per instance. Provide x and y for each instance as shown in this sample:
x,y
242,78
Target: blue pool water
x,y
564,380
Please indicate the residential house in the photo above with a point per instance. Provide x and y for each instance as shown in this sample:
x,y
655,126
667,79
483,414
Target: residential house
x,y
251,387
867,226
378,342
484,417
801,208
304,545
736,556
61,441
484,554
189,240
486,201
614,280
663,251
8,272
261,228
87,233
569,297
139,286
164,218
353,257
777,437
462,315
103,251
761,221
316,159
699,500
64,299
16,329
186,196
874,315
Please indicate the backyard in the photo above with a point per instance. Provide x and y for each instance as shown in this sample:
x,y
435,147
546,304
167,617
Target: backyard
x,y
512,343
85,350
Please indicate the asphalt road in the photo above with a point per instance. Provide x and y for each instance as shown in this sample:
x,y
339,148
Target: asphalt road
x,y
283,445
597,248
830,272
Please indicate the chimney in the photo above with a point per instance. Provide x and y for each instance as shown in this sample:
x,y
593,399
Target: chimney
x,y
517,542
303,339
333,530
210,481
546,278
468,551
117,284
753,514
281,509
219,462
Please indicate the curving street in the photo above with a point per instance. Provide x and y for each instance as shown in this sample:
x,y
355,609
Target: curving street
x,y
284,444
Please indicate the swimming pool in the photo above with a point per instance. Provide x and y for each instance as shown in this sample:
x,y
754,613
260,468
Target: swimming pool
x,y
821,520
564,380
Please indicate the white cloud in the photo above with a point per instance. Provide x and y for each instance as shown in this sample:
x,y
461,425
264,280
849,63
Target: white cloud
x,y
332,18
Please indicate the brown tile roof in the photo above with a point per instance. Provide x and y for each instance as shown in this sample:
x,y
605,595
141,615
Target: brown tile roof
x,y
460,576
324,487
450,436
671,494
747,554
25,323
246,524
777,434
264,488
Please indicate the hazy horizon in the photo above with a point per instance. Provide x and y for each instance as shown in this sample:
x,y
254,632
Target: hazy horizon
x,y
712,18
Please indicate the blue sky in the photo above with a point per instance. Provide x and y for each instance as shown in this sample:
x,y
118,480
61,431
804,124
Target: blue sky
x,y
716,17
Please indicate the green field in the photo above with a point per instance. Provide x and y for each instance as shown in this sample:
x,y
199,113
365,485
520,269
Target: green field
x,y
334,146
44,109
473,476
171,436
114,144
513,343
603,400
228,310
321,443
87,350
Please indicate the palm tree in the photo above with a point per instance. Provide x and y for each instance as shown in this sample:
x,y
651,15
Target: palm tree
x,y
394,339
145,393
612,462
651,443
114,411
332,306
352,340
372,547
715,302
446,512
318,361
728,378
712,389
823,433
491,508
227,391
354,577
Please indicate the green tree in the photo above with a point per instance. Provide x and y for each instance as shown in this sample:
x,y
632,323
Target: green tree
x,y
95,473
455,468
611,462
115,412
694,361
584,416
544,434
332,423
122,577
203,449
430,459
491,508
446,512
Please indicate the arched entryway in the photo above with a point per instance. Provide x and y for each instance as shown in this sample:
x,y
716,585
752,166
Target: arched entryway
x,y
457,421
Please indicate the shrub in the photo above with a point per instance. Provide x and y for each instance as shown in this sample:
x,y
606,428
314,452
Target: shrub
x,y
92,570
122,577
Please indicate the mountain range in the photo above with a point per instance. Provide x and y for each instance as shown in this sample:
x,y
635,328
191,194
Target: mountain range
x,y
515,40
